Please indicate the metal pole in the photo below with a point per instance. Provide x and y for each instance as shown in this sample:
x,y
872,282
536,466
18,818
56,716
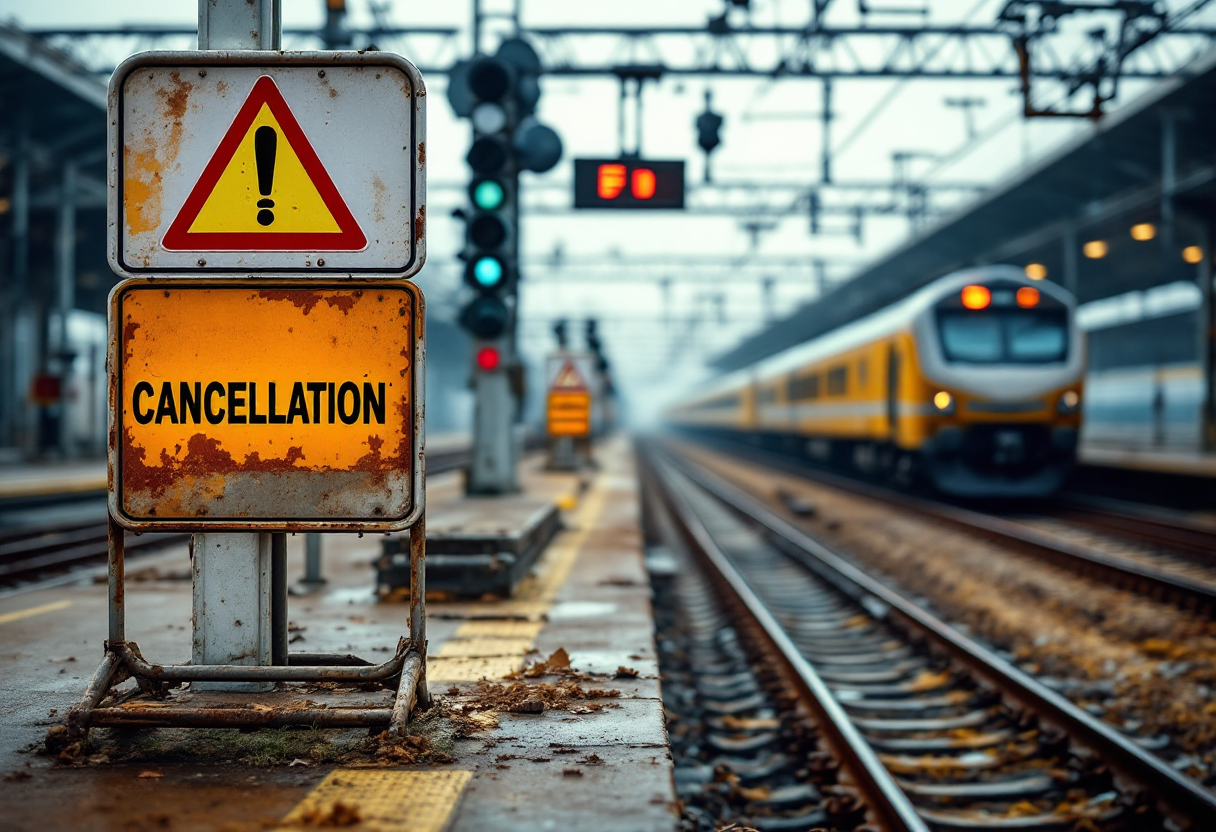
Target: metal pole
x,y
230,570
637,118
1207,337
65,262
418,603
116,549
278,599
620,119
826,116
13,397
313,579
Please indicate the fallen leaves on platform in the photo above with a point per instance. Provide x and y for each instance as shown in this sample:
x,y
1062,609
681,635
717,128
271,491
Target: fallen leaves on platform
x,y
412,749
519,697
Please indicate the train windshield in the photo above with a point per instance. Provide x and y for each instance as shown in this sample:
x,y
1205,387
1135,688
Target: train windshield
x,y
1004,336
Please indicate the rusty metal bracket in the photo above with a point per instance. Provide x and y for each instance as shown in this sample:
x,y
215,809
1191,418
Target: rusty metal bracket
x,y
405,671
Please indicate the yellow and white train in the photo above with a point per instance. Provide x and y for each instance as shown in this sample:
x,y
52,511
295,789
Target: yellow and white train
x,y
972,383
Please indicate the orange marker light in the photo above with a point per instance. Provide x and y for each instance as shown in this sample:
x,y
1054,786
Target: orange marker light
x,y
610,181
643,183
976,297
1028,296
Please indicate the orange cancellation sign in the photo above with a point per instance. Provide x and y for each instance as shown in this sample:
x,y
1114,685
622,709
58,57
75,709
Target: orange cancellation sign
x,y
271,405
569,414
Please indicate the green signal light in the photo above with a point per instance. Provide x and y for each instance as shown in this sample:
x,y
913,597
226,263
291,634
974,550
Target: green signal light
x,y
488,271
488,195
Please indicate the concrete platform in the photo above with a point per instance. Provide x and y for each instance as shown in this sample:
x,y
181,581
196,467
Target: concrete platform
x,y
1187,463
595,763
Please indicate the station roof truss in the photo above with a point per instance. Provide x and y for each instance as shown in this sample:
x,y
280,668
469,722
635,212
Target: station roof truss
x,y
1126,41
1154,157
53,145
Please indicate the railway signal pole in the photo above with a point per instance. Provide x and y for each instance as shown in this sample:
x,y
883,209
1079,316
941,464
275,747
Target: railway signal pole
x,y
498,94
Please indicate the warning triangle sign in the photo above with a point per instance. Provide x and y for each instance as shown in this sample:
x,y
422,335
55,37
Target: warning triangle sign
x,y
264,189
569,378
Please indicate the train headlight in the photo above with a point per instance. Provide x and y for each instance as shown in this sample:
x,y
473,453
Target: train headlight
x,y
943,402
1069,402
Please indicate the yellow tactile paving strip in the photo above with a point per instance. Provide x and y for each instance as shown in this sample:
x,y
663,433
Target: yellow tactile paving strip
x,y
17,615
490,645
495,643
380,801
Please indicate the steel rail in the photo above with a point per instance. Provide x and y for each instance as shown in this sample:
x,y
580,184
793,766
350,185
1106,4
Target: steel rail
x,y
1189,594
887,801
1174,792
1195,541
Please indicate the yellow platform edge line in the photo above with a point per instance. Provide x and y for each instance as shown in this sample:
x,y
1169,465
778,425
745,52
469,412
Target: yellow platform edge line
x,y
17,615
383,800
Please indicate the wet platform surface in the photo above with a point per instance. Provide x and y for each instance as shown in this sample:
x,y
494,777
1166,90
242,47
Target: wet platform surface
x,y
594,763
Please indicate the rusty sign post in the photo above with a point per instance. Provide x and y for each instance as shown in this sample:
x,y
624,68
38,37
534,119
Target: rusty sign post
x,y
266,351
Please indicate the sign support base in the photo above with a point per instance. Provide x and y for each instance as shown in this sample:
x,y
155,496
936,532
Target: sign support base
x,y
405,673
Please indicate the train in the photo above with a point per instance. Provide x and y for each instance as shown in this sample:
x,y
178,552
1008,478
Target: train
x,y
971,385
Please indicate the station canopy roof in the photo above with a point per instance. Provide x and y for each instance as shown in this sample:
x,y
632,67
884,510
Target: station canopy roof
x,y
1110,172
63,96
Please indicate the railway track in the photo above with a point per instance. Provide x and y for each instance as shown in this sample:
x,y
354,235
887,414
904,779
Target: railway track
x,y
29,552
1185,588
1193,539
917,712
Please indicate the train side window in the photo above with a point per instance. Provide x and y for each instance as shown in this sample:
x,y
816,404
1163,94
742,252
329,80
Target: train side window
x,y
806,387
768,395
838,381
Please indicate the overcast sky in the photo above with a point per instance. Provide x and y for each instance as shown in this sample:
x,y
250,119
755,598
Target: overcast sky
x,y
769,135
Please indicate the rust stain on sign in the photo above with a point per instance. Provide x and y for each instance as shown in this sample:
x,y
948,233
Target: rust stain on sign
x,y
146,162
292,404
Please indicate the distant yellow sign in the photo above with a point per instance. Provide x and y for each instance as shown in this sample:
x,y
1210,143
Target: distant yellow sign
x,y
278,404
569,413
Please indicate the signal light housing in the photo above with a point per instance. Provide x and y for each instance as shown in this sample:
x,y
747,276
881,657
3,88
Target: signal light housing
x,y
490,79
487,156
486,317
487,231
943,402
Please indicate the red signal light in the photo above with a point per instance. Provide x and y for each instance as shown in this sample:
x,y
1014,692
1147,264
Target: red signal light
x,y
488,359
1028,297
976,297
643,183
610,181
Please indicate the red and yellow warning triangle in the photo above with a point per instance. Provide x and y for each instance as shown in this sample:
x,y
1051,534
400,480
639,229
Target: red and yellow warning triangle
x,y
264,189
568,378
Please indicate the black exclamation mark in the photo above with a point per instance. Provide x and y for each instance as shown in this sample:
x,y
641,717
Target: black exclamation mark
x,y
265,141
